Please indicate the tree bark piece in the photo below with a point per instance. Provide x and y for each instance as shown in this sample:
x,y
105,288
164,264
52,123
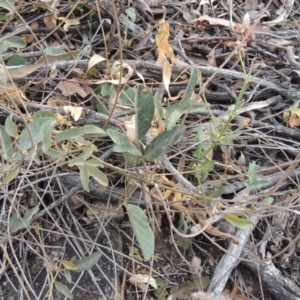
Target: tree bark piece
x,y
272,279
229,261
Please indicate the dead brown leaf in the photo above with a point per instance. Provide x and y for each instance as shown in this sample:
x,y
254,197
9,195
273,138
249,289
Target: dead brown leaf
x,y
62,120
214,230
69,88
29,38
162,43
58,100
20,72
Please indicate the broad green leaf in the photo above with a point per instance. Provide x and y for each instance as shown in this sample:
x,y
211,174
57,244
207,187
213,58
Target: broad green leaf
x,y
117,137
162,142
186,100
86,154
130,12
11,42
54,51
88,262
43,114
51,152
94,163
68,275
10,127
132,160
122,143
216,194
264,204
142,230
46,130
77,161
173,118
99,176
106,89
161,291
7,148
24,140
182,227
63,289
229,137
254,181
127,97
84,178
83,142
78,132
69,265
207,166
237,221
187,104
144,108
122,148
8,5
176,110
202,147
16,42
22,71
16,60
158,107
11,176
17,223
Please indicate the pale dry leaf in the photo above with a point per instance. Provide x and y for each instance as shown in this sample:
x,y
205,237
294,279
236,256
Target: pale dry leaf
x,y
11,92
62,120
50,20
76,201
244,122
101,210
167,72
58,100
211,57
202,2
195,265
75,112
162,43
68,22
179,95
3,75
29,38
20,72
250,5
246,19
201,296
53,71
135,253
69,88
130,128
212,21
95,59
214,230
123,80
242,159
158,125
140,76
142,280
